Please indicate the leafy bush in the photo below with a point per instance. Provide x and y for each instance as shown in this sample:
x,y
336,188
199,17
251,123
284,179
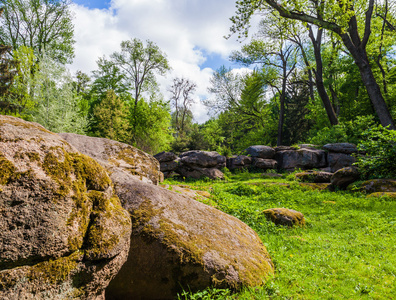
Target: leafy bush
x,y
379,144
345,132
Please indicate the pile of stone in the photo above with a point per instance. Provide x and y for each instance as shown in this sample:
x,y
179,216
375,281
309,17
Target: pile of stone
x,y
192,164
168,163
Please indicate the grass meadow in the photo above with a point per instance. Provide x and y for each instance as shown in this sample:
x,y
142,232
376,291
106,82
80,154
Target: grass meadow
x,y
347,250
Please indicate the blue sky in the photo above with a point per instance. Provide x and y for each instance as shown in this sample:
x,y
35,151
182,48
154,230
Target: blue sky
x,y
93,3
190,32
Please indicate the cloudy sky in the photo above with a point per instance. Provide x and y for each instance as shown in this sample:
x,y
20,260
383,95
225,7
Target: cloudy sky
x,y
190,32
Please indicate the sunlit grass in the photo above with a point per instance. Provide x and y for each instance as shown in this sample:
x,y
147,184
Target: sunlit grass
x,y
347,250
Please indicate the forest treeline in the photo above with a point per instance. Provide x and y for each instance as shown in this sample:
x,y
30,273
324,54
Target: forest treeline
x,y
318,72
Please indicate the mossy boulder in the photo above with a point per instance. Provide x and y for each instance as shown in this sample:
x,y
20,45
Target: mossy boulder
x,y
112,154
391,195
376,186
285,216
178,243
63,232
344,177
314,176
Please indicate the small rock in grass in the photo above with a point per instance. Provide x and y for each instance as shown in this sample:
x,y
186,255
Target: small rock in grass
x,y
285,216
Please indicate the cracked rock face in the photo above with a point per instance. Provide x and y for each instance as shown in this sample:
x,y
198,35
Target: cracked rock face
x,y
63,232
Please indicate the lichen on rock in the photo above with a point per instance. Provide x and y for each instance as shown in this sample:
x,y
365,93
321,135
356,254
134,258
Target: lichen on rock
x,y
54,206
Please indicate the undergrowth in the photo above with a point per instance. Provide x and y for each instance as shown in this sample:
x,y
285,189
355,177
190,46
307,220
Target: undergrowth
x,y
345,251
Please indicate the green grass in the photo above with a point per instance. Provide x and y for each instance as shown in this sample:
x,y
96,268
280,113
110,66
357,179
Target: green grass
x,y
347,250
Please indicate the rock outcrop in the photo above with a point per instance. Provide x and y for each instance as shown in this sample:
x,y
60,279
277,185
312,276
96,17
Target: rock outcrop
x,y
178,243
238,162
261,151
111,155
63,232
302,158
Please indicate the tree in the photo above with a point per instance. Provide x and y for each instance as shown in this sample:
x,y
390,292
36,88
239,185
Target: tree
x,y
139,65
182,90
111,117
57,104
43,25
279,55
341,17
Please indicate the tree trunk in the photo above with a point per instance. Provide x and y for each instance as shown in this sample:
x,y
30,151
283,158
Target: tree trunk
x,y
359,54
319,77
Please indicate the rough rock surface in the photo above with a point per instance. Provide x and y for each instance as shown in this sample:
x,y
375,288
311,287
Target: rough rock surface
x,y
63,233
303,158
346,148
203,159
314,176
261,151
169,166
165,156
285,216
338,161
112,154
344,177
238,162
265,164
197,172
378,186
179,242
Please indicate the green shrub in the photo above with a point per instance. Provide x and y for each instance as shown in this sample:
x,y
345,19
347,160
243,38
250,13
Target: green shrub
x,y
379,144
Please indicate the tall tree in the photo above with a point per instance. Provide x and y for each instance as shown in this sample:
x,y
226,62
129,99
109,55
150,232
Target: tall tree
x,y
139,64
341,17
181,99
43,25
279,55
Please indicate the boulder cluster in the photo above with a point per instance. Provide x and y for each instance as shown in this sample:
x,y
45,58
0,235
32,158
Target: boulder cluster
x,y
83,218
196,164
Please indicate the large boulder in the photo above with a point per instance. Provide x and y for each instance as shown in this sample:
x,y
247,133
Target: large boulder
x,y
344,177
63,232
197,172
378,186
338,161
111,155
203,159
238,162
345,148
169,166
265,164
178,243
302,158
165,156
314,176
260,151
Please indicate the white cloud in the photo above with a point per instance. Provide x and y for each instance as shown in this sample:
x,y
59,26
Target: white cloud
x,y
183,29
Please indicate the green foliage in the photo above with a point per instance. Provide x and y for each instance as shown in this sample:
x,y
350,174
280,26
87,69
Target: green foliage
x,y
152,126
345,132
379,144
43,25
111,118
345,251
